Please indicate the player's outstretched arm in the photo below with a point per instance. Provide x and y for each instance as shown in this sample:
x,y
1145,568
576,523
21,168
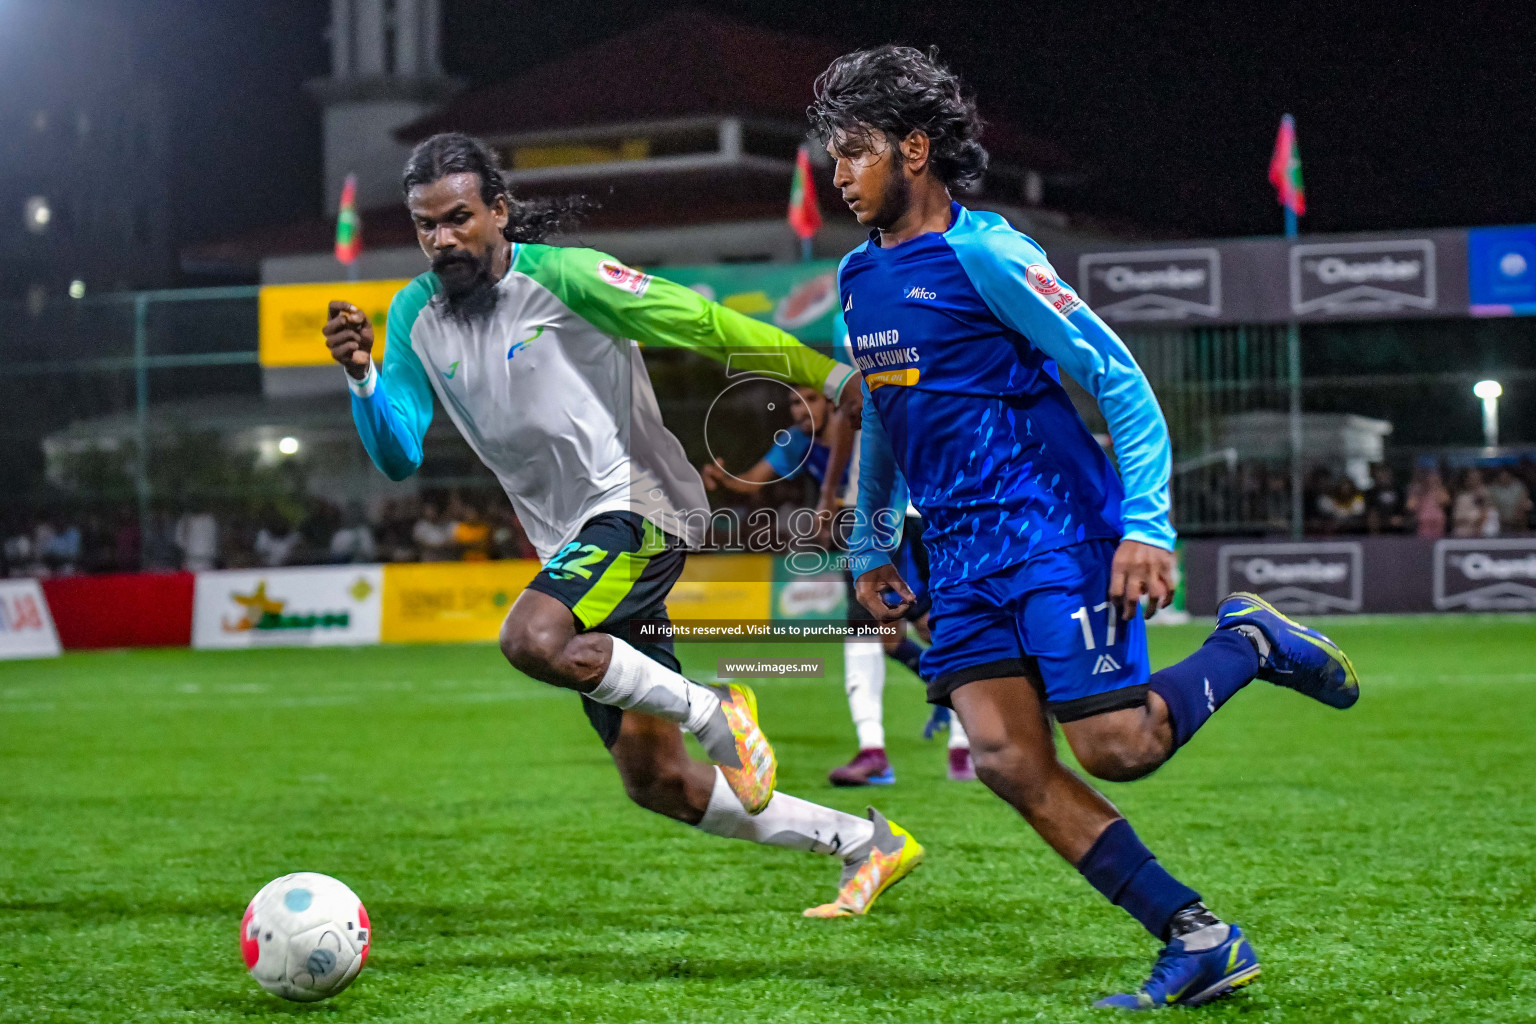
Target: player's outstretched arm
x,y
625,303
1014,278
877,524
715,476
392,408
840,433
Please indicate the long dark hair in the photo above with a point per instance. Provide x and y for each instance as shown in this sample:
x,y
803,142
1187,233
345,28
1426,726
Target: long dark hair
x,y
531,220
896,90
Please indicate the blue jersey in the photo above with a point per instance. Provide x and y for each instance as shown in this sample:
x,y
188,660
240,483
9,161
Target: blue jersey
x,y
961,336
799,454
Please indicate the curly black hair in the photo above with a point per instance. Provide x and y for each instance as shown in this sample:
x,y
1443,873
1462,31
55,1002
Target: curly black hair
x,y
530,220
896,90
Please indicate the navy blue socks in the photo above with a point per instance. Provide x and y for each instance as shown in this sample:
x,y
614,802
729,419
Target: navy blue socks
x,y
907,652
1195,687
1120,866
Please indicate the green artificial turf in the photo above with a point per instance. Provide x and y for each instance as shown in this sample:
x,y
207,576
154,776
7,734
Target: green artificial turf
x,y
1381,858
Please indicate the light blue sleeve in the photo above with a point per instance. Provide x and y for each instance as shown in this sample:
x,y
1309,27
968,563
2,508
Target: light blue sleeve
x,y
1018,284
393,408
788,459
877,525
842,351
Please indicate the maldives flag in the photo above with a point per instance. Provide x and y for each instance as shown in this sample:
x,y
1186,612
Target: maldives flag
x,y
1285,168
349,230
804,214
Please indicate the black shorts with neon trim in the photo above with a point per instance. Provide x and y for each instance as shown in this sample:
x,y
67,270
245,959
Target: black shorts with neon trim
x,y
620,567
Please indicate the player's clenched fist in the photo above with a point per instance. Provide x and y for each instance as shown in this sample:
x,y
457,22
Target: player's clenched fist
x,y
884,593
350,337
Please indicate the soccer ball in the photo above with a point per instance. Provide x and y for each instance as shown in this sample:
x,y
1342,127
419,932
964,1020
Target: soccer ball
x,y
305,936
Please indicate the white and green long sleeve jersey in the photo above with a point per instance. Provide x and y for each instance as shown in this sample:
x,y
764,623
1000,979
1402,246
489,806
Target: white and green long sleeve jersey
x,y
550,391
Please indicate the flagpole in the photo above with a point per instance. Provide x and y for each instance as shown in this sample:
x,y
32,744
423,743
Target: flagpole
x,y
1293,372
805,251
1285,175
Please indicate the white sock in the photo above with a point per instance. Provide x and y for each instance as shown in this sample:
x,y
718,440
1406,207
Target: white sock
x,y
635,682
864,679
958,740
787,821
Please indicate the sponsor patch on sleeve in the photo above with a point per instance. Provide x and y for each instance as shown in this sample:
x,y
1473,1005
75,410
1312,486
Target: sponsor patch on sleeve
x,y
1052,289
620,276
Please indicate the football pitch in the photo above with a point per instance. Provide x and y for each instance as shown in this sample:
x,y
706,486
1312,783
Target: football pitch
x,y
1380,859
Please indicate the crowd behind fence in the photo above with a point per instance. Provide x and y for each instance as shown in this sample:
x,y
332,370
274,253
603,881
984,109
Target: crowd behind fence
x,y
474,525
115,387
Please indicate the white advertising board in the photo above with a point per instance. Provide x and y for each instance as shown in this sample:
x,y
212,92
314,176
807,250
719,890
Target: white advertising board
x,y
310,607
26,627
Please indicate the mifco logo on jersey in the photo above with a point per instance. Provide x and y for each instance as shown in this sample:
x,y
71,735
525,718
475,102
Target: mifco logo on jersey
x,y
1363,277
917,291
1327,576
1486,575
1161,284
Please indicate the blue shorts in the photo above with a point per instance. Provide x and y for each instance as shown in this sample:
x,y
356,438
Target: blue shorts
x,y
1049,619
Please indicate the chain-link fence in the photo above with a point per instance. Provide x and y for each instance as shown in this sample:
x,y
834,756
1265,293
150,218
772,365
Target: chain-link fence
x,y
136,432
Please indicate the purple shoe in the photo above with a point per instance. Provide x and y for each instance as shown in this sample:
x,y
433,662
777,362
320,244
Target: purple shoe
x,y
960,767
868,768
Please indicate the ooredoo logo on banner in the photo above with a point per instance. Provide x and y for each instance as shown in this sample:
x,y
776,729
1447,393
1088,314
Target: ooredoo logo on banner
x,y
314,607
26,628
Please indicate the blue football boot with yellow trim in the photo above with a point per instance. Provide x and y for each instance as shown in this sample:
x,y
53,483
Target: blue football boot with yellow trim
x,y
1291,654
1185,977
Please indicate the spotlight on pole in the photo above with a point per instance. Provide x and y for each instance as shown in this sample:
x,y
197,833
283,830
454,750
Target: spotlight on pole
x,y
1489,391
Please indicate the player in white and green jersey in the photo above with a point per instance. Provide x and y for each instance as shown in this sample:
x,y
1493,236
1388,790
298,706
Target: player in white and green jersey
x,y
532,349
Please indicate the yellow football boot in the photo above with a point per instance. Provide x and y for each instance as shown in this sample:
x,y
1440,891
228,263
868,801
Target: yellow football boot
x,y
750,768
892,855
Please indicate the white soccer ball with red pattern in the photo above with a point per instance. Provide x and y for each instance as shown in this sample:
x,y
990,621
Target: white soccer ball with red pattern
x,y
305,936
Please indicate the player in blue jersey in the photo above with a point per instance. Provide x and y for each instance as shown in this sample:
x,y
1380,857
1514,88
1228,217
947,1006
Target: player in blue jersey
x,y
1040,553
823,455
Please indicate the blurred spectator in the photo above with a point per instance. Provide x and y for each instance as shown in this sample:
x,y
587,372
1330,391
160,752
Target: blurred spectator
x,y
98,552
1384,503
197,535
1428,501
507,537
61,548
1317,485
1341,508
321,521
471,534
1511,501
126,542
1472,513
19,554
353,541
395,528
277,543
159,544
433,535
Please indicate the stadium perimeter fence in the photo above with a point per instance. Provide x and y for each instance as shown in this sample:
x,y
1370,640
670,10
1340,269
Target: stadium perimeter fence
x,y
129,410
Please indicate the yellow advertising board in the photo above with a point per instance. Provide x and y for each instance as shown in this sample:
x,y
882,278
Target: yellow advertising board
x,y
432,602
438,602
290,317
723,587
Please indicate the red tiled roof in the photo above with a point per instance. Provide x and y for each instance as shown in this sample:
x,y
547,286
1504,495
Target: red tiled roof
x,y
685,64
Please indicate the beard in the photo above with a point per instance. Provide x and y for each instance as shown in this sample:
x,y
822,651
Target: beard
x,y
469,290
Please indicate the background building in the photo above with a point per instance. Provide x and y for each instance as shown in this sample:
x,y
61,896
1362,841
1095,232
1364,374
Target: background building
x,y
83,171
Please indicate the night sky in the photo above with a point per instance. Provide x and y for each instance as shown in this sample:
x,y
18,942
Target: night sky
x,y
1409,114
